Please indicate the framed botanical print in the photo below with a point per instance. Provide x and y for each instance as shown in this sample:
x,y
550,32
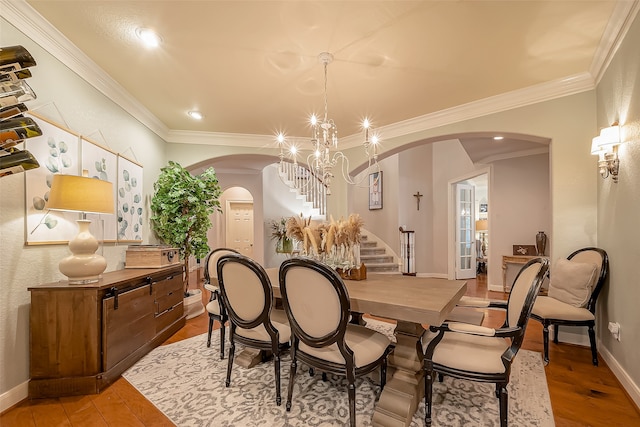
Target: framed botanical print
x,y
375,190
130,209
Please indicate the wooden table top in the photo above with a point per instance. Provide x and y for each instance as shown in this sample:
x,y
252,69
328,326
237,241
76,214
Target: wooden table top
x,y
395,296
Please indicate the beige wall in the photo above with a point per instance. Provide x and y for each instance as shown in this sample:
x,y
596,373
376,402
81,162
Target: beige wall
x,y
618,98
584,209
62,95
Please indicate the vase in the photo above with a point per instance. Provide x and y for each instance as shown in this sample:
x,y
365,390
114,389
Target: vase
x,y
284,246
541,243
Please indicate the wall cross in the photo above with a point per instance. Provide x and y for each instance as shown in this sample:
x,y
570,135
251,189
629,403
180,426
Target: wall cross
x,y
417,196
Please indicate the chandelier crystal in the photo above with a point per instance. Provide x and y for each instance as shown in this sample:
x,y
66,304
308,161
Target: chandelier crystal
x,y
324,154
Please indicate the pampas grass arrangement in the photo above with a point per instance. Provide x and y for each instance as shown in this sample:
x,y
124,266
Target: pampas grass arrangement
x,y
336,243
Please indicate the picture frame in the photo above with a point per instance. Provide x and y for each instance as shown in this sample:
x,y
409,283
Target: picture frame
x,y
130,210
524,250
58,152
375,190
484,208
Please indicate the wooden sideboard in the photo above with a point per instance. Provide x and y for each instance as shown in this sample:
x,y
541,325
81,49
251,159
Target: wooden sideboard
x,y
83,337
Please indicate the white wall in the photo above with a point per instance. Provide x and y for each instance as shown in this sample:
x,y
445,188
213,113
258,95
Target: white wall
x,y
85,110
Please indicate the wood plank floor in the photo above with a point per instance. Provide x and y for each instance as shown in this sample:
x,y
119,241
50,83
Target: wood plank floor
x,y
581,394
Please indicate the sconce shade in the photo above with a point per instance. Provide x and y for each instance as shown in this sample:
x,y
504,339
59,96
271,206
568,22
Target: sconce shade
x,y
482,225
81,194
608,138
87,195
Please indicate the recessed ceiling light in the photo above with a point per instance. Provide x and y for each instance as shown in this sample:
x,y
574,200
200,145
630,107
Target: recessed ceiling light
x,y
149,37
498,138
197,115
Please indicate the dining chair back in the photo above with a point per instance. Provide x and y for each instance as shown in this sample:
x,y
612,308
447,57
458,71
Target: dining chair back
x,y
248,299
574,288
317,305
215,307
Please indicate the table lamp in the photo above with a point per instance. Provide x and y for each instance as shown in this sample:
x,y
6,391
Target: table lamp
x,y
72,193
482,225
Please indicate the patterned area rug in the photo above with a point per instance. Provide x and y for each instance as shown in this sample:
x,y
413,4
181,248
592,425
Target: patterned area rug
x,y
185,380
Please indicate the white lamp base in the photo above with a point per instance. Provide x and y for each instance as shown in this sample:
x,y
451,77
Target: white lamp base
x,y
84,266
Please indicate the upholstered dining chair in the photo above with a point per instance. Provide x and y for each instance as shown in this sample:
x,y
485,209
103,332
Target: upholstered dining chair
x,y
480,353
248,299
215,307
317,305
574,286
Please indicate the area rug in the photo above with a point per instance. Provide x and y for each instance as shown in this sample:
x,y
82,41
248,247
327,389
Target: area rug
x,y
185,380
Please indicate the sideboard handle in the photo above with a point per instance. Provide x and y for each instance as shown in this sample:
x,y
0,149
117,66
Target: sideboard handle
x,y
114,290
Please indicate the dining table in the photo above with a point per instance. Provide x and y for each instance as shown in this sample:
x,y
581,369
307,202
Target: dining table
x,y
413,302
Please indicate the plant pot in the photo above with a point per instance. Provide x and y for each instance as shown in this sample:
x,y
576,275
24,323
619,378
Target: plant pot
x,y
193,303
284,246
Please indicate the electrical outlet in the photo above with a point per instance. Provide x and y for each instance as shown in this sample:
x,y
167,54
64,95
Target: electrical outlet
x,y
614,328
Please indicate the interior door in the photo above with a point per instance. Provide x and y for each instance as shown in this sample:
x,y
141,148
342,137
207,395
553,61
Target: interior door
x,y
240,227
465,232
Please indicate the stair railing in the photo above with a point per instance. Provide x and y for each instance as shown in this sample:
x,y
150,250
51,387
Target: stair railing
x,y
304,182
407,252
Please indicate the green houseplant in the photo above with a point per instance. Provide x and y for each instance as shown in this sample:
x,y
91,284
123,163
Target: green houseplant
x,y
181,206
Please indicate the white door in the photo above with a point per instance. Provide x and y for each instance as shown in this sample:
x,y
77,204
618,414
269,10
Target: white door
x,y
240,227
465,232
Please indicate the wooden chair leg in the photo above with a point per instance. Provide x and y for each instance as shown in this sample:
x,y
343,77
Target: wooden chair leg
x,y
383,374
352,404
232,349
210,331
556,330
504,405
222,332
428,396
592,340
545,342
276,364
292,375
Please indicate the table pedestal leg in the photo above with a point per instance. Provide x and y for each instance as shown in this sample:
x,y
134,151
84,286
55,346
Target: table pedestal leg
x,y
403,391
248,357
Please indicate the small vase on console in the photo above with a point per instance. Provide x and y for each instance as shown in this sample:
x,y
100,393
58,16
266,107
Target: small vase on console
x,y
541,243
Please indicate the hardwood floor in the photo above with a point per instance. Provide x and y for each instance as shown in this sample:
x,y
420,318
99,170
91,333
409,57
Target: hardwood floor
x,y
581,394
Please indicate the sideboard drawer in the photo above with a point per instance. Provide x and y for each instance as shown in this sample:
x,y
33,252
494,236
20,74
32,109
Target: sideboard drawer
x,y
169,316
167,301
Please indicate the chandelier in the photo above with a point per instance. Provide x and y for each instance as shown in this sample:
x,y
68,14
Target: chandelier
x,y
324,155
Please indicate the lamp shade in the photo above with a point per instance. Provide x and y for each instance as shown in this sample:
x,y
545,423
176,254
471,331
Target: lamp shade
x,y
608,138
81,194
482,225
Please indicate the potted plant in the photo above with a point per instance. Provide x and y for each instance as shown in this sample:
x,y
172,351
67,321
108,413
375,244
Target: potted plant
x,y
279,233
180,208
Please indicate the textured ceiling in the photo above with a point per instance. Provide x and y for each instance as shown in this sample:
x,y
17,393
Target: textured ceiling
x,y
252,67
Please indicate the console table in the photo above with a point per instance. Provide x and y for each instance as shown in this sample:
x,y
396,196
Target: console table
x,y
82,337
513,259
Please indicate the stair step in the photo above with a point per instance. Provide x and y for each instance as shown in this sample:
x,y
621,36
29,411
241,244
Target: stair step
x,y
367,244
382,267
372,251
376,259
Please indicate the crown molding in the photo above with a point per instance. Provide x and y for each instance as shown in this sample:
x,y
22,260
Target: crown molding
x,y
618,25
23,16
20,14
524,153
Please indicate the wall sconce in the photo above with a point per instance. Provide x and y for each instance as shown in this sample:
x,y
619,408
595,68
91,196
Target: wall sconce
x,y
605,146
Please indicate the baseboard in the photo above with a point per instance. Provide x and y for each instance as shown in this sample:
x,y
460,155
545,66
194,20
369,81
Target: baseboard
x,y
627,383
496,288
14,396
432,275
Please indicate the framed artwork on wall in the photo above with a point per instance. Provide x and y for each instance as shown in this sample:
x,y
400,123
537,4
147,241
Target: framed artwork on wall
x,y
130,205
101,163
57,151
484,208
375,190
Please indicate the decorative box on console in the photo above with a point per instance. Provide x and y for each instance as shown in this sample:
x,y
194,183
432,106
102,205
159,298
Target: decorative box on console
x,y
151,256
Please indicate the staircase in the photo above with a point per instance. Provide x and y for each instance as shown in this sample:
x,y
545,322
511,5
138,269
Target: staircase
x,y
375,257
308,187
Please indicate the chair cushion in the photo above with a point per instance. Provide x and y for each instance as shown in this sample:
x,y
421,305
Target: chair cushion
x,y
259,333
468,352
367,345
551,308
571,282
213,307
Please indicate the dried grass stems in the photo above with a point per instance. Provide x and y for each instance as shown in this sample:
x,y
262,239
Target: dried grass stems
x,y
336,243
